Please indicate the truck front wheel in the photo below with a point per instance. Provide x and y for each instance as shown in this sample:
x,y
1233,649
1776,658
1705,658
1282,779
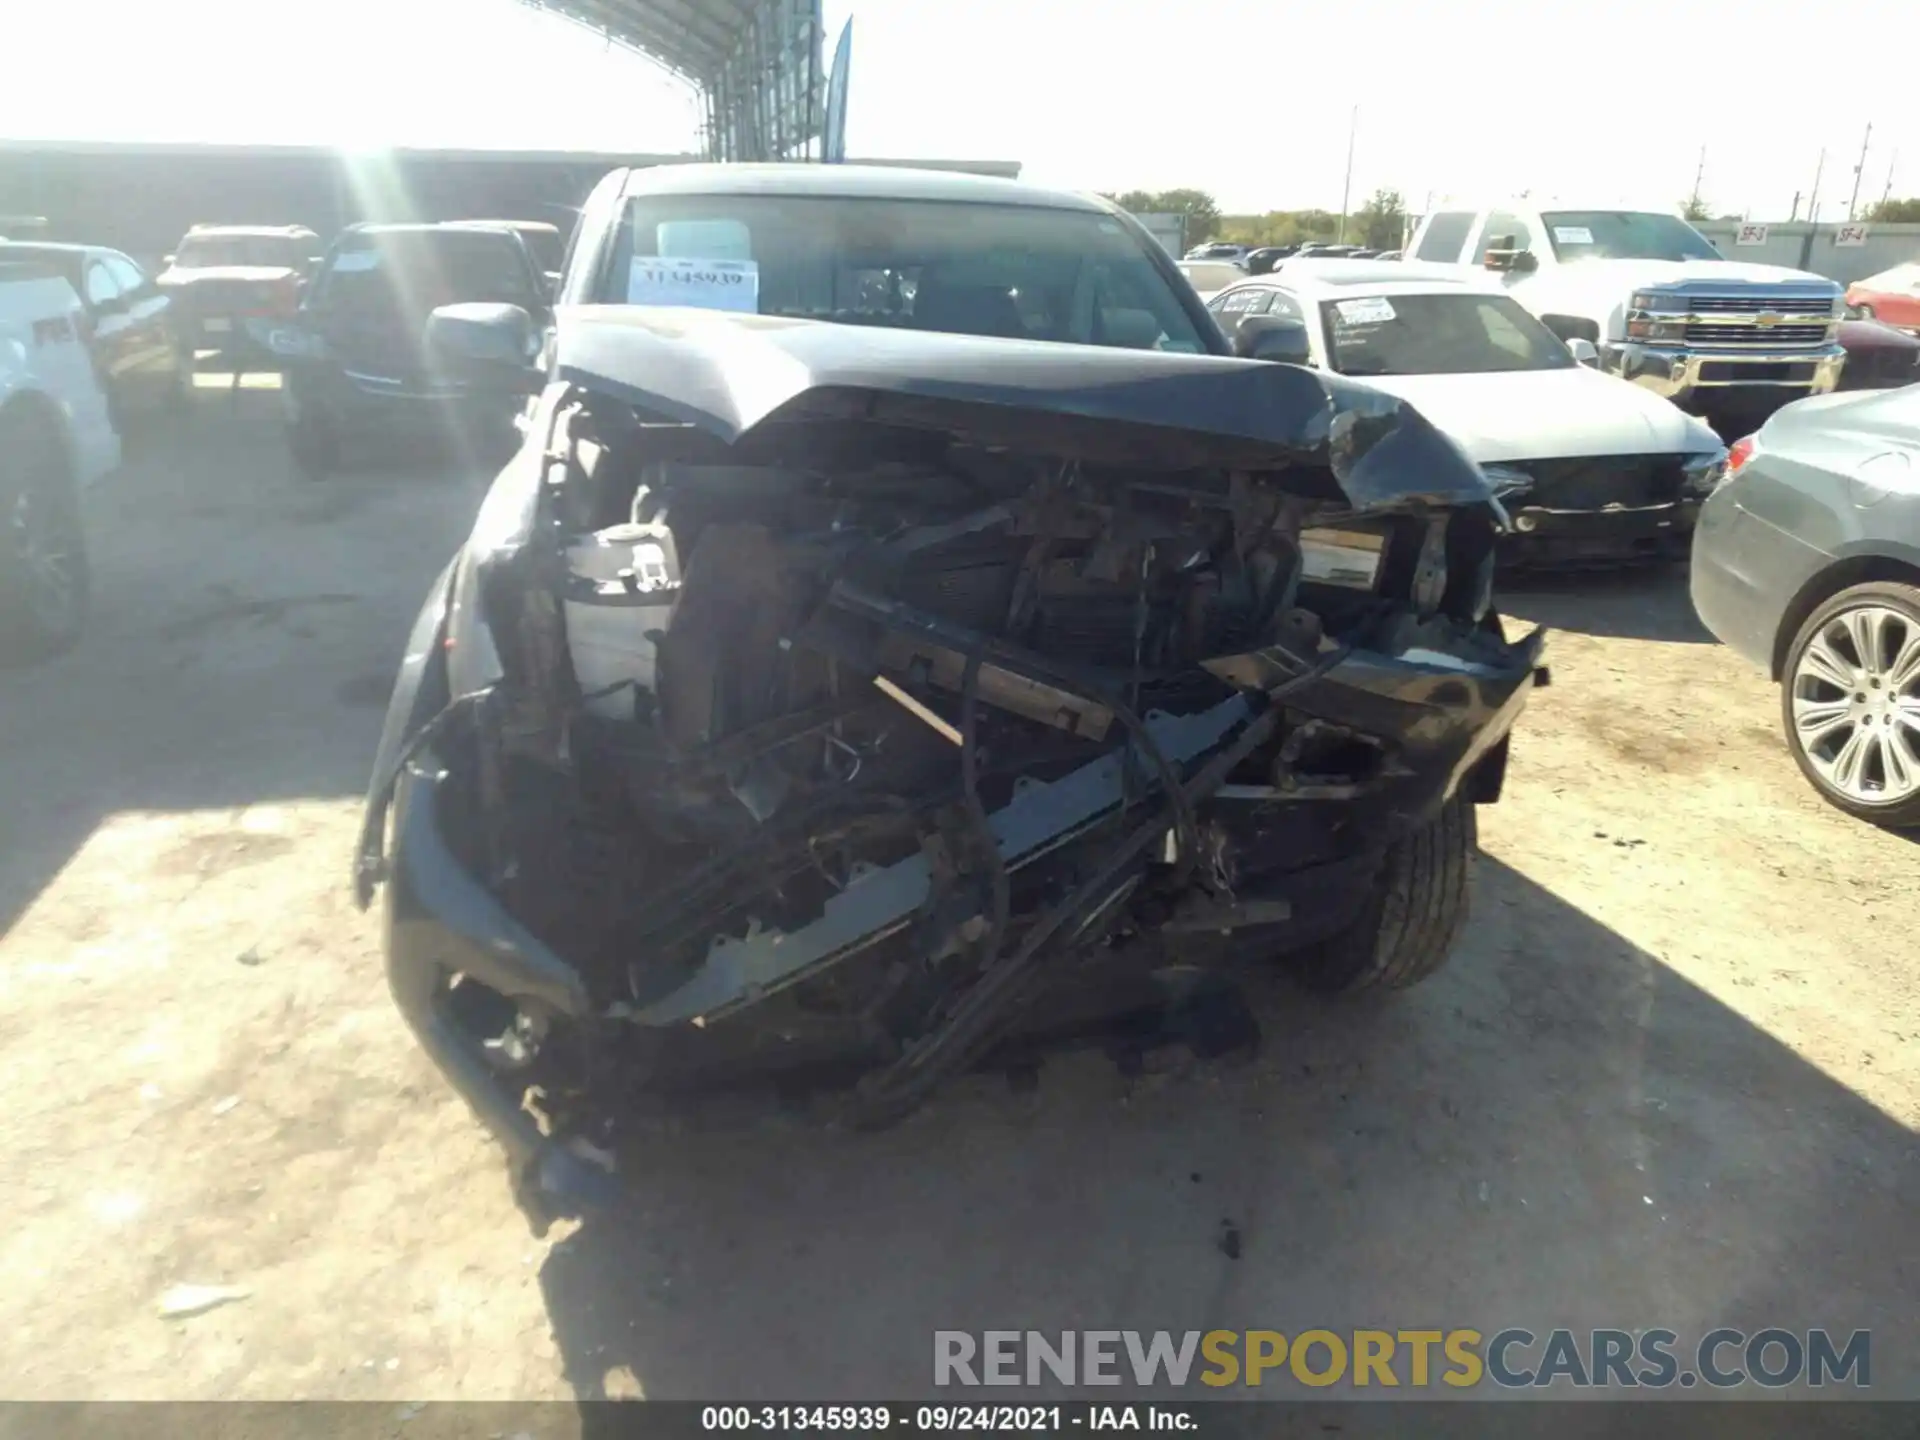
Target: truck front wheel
x,y
1412,919
43,554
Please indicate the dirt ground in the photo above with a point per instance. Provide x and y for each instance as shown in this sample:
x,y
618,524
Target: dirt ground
x,y
1670,1079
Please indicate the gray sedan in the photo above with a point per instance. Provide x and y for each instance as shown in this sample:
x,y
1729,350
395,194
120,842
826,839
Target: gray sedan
x,y
1807,560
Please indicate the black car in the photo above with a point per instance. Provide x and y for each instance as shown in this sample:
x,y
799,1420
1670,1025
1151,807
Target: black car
x,y
128,324
908,638
230,284
544,242
1262,261
1879,357
355,353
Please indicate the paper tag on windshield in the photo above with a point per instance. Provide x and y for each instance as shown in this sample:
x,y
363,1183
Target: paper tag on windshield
x,y
1573,234
351,260
707,284
1369,310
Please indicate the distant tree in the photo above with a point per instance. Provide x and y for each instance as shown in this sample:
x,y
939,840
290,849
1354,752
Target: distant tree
x,y
1203,215
1382,221
1896,212
1695,209
1735,218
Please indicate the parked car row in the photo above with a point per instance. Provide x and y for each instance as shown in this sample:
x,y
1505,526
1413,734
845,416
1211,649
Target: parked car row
x,y
1588,466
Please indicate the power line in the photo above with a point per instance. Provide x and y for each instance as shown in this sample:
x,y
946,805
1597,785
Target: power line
x,y
1346,186
1853,200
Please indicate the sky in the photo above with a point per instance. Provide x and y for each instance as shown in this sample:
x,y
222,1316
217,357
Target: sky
x,y
1250,100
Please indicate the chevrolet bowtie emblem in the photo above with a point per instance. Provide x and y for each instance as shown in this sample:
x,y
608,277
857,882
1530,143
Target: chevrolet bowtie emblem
x,y
1769,317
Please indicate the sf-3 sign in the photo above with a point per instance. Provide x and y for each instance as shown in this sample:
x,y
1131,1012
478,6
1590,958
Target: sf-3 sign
x,y
708,284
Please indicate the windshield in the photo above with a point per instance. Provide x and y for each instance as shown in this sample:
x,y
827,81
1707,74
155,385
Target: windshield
x,y
421,270
1625,235
1022,272
1438,335
210,251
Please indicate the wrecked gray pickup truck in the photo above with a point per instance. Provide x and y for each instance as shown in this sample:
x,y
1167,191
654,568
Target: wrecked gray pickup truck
x,y
861,701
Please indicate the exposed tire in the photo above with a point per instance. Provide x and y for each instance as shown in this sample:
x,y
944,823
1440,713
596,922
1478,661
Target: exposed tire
x,y
1850,702
1413,918
43,553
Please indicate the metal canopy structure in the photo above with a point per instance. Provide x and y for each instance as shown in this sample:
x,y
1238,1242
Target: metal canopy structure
x,y
757,63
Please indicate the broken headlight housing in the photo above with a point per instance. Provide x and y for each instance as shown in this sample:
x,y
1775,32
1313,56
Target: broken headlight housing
x,y
1705,472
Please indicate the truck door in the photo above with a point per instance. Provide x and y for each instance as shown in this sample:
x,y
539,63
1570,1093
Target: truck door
x,y
112,343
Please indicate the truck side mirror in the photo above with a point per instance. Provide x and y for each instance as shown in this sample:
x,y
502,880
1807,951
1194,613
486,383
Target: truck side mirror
x,y
1583,350
491,345
1272,337
1503,254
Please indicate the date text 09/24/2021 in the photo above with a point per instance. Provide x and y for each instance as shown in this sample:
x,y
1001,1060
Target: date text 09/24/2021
x,y
996,1419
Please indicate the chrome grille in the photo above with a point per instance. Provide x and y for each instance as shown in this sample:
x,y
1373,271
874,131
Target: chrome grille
x,y
1764,321
1748,305
1771,336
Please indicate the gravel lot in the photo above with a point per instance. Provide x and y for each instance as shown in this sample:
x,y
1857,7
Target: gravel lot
x,y
1670,1080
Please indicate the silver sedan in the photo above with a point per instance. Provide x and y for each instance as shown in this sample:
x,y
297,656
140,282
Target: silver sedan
x,y
1807,560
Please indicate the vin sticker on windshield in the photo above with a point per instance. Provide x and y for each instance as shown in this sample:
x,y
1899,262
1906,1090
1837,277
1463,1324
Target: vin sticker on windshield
x,y
1573,234
1369,310
707,284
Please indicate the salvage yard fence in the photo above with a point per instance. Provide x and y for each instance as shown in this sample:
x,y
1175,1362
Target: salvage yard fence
x,y
1840,251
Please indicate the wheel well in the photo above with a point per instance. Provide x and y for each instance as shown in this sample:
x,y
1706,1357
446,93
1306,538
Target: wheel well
x,y
1572,327
31,408
1855,570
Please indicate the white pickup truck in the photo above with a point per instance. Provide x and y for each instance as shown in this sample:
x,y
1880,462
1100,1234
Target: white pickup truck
x,y
1664,308
56,438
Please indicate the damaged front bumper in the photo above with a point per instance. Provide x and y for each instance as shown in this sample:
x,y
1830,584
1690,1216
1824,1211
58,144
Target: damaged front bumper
x,y
1438,722
984,666
1603,509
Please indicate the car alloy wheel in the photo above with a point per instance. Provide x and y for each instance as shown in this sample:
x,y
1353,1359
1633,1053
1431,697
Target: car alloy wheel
x,y
43,548
1853,703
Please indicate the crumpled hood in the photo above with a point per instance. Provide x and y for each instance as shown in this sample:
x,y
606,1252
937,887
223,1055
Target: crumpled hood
x,y
728,373
1551,415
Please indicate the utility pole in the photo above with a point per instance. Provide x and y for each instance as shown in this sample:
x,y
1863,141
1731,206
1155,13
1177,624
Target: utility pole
x,y
1813,196
1853,199
1796,208
1699,171
1346,186
1887,194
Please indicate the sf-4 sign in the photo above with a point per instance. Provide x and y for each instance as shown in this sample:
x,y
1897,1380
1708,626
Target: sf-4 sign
x,y
1850,235
1751,235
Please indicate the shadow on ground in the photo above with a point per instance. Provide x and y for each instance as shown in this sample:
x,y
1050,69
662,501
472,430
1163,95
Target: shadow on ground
x,y
244,631
1639,603
1558,1130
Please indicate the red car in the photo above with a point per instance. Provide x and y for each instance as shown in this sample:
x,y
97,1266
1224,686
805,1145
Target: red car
x,y
1891,297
